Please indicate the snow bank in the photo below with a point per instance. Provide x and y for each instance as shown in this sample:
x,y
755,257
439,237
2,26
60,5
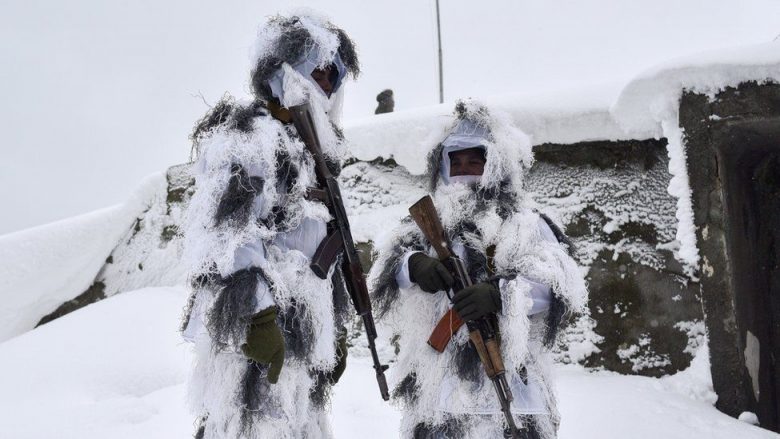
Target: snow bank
x,y
607,405
43,267
604,112
646,100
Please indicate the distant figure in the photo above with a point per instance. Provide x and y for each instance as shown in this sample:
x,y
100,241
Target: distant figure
x,y
386,102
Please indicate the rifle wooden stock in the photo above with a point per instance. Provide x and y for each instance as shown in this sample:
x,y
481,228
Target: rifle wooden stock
x,y
339,240
424,213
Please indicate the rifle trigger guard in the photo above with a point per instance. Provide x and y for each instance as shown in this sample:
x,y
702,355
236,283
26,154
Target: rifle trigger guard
x,y
317,194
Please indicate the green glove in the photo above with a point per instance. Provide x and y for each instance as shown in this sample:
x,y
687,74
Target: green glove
x,y
429,273
341,357
477,301
265,343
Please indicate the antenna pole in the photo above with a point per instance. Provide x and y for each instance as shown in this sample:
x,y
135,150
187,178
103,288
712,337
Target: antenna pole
x,y
441,67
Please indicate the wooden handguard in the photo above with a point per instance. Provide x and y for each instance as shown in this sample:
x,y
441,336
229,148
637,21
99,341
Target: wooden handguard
x,y
448,325
489,353
484,354
494,353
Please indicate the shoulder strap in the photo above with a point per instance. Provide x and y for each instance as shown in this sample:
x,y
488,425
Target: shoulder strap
x,y
559,235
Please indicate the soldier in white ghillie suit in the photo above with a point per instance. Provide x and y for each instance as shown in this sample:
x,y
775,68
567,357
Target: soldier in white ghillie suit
x,y
268,332
522,272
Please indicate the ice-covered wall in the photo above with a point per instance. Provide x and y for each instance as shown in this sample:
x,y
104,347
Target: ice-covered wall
x,y
611,199
148,253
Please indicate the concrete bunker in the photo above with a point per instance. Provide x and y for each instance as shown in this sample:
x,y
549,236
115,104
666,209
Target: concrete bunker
x,y
733,145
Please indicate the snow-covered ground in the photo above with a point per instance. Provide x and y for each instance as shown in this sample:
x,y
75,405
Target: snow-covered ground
x,y
117,369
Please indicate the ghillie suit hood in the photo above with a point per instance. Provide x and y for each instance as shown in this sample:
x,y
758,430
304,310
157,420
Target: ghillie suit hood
x,y
500,241
286,52
508,154
249,235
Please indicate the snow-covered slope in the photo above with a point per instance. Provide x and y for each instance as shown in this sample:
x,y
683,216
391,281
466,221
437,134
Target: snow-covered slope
x,y
45,266
116,369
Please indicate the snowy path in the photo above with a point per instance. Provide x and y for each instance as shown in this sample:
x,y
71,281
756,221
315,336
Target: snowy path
x,y
116,369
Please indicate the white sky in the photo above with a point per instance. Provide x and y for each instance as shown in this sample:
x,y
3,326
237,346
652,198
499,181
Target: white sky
x,y
94,95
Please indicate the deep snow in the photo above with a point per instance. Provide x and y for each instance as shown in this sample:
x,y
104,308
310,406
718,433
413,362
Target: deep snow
x,y
117,369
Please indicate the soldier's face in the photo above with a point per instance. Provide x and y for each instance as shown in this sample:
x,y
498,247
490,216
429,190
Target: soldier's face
x,y
323,78
467,162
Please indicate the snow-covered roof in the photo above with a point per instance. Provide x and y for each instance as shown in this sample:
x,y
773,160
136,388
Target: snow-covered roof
x,y
607,112
644,102
565,117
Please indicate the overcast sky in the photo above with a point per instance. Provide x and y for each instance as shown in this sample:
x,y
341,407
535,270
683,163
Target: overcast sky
x,y
97,94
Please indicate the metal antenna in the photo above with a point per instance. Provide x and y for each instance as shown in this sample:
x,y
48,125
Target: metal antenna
x,y
441,67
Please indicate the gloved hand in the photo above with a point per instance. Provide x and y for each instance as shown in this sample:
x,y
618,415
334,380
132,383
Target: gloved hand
x,y
341,357
265,343
477,301
429,273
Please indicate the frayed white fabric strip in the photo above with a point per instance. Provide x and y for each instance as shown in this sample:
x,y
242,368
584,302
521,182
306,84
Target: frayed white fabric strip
x,y
540,293
465,179
402,276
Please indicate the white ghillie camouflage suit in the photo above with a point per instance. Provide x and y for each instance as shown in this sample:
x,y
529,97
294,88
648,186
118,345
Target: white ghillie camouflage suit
x,y
448,395
249,237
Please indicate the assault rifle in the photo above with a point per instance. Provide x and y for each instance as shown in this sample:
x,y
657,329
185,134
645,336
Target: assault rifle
x,y
483,332
339,240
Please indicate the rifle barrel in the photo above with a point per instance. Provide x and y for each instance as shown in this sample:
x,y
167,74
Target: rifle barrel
x,y
355,280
